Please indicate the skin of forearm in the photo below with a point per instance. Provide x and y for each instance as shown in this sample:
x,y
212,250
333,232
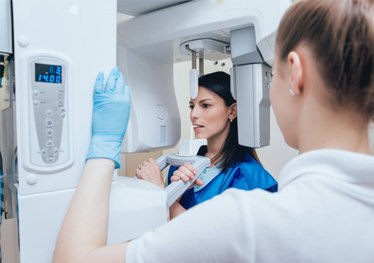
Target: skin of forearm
x,y
175,210
86,223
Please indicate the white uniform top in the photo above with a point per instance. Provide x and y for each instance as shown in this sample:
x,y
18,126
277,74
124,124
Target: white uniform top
x,y
323,212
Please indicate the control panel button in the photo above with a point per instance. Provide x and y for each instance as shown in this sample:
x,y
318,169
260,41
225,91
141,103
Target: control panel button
x,y
49,113
35,93
48,122
49,132
44,152
62,112
49,143
36,103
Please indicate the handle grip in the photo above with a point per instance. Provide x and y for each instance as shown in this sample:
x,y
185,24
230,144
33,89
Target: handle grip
x,y
176,189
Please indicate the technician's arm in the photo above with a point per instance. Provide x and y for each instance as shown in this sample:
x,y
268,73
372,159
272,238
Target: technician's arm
x,y
84,231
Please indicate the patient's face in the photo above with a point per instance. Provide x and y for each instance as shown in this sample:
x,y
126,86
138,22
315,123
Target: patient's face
x,y
209,115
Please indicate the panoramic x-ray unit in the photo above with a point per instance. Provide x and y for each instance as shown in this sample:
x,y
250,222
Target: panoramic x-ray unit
x,y
50,53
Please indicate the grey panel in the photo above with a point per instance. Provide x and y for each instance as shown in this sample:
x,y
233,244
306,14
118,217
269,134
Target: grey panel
x,y
139,7
5,27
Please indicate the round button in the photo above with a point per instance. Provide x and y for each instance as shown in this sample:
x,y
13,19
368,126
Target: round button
x,y
49,113
31,179
44,152
23,41
49,132
36,102
49,143
160,112
62,112
48,122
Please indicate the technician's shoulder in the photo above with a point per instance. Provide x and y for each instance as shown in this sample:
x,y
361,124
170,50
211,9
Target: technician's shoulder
x,y
218,230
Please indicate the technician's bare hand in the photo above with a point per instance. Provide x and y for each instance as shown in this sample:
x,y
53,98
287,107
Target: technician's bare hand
x,y
186,172
150,171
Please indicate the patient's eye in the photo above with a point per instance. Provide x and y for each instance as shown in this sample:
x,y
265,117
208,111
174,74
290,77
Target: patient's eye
x,y
205,105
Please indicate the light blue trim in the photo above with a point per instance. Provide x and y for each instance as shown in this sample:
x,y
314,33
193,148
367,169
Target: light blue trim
x,y
208,175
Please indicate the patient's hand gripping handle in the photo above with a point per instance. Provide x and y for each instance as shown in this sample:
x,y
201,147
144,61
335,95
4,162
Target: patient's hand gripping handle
x,y
177,188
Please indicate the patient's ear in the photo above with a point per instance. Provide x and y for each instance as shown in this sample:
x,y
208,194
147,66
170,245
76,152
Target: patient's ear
x,y
296,76
233,111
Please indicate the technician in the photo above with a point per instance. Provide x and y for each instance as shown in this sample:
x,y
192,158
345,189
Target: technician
x,y
323,97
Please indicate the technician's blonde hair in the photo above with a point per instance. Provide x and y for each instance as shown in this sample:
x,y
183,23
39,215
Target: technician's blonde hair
x,y
340,33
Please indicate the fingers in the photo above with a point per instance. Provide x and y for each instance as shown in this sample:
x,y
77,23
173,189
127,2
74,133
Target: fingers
x,y
114,83
177,175
121,88
185,173
120,83
141,171
199,182
150,171
99,83
138,172
151,164
190,167
112,80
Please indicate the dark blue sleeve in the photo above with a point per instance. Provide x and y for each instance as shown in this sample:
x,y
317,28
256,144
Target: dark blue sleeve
x,y
171,171
188,198
251,175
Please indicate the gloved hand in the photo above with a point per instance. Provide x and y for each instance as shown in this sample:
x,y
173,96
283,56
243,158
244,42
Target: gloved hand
x,y
110,116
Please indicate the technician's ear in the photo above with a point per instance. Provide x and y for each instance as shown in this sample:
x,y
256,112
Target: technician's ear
x,y
233,113
296,72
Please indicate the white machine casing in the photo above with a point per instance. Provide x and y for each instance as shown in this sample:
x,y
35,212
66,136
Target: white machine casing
x,y
159,39
75,38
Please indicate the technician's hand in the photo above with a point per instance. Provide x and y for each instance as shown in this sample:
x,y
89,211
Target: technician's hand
x,y
110,116
150,171
186,172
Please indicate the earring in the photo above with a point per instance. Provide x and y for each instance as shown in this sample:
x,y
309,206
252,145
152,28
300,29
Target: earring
x,y
230,119
292,92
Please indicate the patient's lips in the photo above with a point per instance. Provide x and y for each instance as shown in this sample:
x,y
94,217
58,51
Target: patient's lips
x,y
197,128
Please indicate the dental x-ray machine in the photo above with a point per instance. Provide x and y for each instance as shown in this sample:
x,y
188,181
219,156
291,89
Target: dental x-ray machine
x,y
52,51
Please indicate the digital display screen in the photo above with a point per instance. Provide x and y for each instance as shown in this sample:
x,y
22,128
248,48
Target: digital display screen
x,y
48,73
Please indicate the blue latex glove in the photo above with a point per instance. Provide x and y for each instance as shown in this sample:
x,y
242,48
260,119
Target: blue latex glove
x,y
110,116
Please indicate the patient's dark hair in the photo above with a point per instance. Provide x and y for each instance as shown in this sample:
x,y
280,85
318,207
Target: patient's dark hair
x,y
231,152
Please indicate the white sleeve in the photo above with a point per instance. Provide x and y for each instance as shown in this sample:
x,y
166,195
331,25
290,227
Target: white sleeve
x,y
219,230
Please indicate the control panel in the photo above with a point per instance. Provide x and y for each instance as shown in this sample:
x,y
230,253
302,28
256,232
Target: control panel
x,y
48,115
